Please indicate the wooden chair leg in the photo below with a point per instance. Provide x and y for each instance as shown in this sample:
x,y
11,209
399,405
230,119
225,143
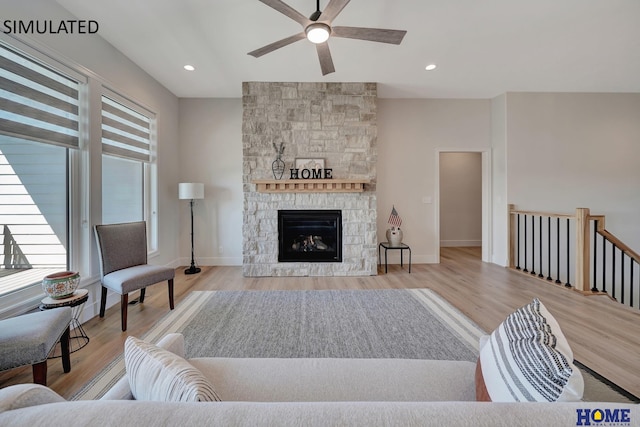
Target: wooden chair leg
x,y
142,292
124,302
64,346
103,301
171,294
40,373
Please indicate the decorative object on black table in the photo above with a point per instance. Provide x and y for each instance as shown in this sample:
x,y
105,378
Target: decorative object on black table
x,y
394,234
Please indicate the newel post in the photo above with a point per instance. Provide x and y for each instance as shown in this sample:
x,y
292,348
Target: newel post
x,y
511,221
583,257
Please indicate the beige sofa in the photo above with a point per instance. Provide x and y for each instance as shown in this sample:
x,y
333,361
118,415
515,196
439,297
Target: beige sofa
x,y
311,392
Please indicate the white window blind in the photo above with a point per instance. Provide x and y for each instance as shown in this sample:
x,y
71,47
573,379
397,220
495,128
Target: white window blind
x,y
125,131
36,102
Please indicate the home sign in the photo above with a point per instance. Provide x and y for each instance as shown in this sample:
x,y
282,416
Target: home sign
x,y
311,173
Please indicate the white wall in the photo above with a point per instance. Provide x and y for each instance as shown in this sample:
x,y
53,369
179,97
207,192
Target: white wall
x,y
460,199
499,199
210,141
576,150
411,132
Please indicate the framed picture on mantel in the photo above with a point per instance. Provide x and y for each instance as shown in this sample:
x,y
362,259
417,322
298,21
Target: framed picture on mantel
x,y
311,164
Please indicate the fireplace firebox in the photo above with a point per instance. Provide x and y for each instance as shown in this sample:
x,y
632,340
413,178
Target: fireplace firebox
x,y
310,236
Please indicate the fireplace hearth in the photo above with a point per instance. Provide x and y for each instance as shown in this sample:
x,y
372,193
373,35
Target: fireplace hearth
x,y
309,235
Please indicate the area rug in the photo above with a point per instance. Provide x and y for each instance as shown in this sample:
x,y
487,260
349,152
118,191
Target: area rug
x,y
407,323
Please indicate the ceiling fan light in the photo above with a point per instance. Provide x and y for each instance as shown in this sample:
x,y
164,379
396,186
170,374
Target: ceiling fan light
x,y
318,32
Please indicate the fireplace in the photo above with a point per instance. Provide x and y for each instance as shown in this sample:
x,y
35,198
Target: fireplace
x,y
310,236
331,120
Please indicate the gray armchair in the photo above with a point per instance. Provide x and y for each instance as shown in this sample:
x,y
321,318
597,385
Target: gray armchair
x,y
123,264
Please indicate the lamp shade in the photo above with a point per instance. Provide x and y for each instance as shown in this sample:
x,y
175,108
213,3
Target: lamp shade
x,y
191,190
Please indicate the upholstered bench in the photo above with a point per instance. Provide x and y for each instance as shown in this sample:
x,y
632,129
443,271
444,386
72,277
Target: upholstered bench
x,y
29,339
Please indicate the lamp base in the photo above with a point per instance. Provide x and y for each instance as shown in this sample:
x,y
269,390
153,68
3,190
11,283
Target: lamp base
x,y
192,270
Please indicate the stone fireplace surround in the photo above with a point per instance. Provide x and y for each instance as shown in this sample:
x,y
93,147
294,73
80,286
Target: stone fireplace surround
x,y
333,121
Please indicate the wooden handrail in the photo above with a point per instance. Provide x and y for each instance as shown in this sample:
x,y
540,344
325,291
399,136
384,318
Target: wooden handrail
x,y
552,215
620,245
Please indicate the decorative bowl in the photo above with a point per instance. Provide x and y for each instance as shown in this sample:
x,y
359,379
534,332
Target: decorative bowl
x,y
61,285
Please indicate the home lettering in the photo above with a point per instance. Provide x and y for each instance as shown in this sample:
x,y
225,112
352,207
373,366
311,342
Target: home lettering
x,y
311,173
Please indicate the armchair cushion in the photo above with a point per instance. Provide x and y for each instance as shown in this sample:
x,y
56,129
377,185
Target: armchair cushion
x,y
133,278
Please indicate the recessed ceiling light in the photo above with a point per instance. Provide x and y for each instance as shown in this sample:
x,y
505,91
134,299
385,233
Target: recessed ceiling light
x,y
189,67
430,67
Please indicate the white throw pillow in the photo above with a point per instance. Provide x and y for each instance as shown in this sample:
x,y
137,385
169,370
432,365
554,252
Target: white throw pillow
x,y
528,359
159,375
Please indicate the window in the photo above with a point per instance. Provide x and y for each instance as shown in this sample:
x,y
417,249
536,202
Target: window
x,y
127,136
39,131
46,169
122,190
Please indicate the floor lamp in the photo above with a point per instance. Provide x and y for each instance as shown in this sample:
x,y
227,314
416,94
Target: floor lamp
x,y
191,191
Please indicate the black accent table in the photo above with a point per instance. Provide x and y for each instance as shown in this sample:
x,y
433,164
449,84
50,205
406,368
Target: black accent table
x,y
387,246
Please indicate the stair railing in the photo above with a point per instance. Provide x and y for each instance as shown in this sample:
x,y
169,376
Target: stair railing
x,y
622,279
574,250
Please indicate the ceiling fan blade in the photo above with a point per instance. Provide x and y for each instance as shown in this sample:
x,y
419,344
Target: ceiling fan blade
x,y
276,45
372,34
324,55
287,10
333,9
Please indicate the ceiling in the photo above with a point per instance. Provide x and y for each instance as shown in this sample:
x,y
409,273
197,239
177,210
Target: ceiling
x,y
482,48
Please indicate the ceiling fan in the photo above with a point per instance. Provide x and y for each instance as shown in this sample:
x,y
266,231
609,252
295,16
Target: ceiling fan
x,y
318,29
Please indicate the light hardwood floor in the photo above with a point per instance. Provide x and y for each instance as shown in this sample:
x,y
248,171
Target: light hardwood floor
x,y
604,335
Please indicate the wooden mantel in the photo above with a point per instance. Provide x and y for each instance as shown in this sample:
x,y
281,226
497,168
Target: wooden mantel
x,y
310,185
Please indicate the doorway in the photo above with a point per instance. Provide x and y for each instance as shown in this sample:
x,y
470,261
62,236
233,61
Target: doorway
x,y
463,201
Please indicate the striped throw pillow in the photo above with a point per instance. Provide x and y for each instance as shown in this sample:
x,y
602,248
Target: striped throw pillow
x,y
159,375
528,359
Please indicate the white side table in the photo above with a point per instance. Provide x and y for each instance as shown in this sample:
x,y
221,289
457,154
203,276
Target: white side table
x,y
78,337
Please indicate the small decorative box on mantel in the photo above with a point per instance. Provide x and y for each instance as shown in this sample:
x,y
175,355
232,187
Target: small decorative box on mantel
x,y
310,185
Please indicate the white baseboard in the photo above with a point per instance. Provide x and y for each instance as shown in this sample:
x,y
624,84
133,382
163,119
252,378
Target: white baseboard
x,y
213,261
460,243
499,261
393,257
